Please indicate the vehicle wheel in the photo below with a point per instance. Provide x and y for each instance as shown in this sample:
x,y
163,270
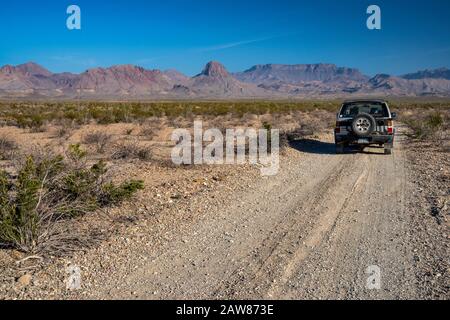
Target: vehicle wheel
x,y
339,148
363,125
388,147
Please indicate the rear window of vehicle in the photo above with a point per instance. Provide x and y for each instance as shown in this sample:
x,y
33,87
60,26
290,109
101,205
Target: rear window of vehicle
x,y
378,110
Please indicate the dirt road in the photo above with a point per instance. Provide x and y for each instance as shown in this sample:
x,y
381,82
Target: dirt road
x,y
310,232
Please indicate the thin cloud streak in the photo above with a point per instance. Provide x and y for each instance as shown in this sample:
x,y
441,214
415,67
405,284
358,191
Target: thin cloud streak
x,y
240,43
232,45
224,46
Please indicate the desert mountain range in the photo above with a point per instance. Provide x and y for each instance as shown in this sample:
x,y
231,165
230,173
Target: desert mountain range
x,y
277,81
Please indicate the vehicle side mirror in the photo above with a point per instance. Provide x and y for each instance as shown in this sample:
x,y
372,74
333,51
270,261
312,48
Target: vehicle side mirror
x,y
394,115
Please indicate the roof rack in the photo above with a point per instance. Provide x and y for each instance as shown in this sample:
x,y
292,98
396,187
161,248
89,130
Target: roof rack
x,y
365,100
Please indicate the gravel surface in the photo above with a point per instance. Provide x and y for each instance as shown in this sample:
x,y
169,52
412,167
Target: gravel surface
x,y
310,232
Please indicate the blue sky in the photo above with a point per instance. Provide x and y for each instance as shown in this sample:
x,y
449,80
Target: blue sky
x,y
185,34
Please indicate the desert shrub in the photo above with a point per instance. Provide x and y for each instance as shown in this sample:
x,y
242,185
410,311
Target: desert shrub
x,y
435,121
112,194
144,154
426,126
36,123
151,127
7,148
62,132
52,189
130,150
99,139
64,128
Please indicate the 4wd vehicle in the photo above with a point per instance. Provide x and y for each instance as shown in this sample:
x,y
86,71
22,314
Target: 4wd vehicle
x,y
364,123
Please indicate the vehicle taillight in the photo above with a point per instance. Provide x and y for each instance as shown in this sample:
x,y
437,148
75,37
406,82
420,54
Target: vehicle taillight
x,y
338,128
390,127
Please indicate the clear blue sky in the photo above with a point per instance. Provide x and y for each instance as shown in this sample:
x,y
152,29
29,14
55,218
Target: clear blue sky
x,y
185,34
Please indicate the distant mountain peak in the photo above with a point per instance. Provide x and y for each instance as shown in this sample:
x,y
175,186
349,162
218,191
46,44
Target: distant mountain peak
x,y
33,69
215,69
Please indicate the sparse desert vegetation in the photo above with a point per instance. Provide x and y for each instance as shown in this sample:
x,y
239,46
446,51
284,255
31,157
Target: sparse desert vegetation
x,y
68,170
35,115
54,156
113,132
51,189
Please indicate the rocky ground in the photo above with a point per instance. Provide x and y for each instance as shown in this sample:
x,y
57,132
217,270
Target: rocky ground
x,y
430,201
226,232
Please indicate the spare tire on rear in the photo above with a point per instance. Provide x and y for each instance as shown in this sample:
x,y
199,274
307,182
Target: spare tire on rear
x,y
363,125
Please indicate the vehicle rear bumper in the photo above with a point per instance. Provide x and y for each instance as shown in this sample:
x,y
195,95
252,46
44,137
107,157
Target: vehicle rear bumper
x,y
375,139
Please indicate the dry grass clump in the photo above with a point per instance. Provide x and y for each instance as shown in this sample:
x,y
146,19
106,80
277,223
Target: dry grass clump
x,y
149,132
7,148
64,132
99,139
130,150
151,127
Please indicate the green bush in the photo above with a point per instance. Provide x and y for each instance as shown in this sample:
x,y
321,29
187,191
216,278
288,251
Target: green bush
x,y
50,190
435,121
112,194
427,127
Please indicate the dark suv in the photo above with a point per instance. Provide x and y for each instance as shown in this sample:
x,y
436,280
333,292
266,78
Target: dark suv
x,y
364,123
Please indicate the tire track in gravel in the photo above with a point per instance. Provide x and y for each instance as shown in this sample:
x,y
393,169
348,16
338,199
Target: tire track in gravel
x,y
309,232
325,224
373,230
301,229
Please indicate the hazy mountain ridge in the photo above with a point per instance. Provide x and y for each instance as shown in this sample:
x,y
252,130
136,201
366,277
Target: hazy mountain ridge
x,y
441,73
31,80
292,74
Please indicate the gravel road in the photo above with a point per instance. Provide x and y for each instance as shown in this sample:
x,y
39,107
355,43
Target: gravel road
x,y
309,232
